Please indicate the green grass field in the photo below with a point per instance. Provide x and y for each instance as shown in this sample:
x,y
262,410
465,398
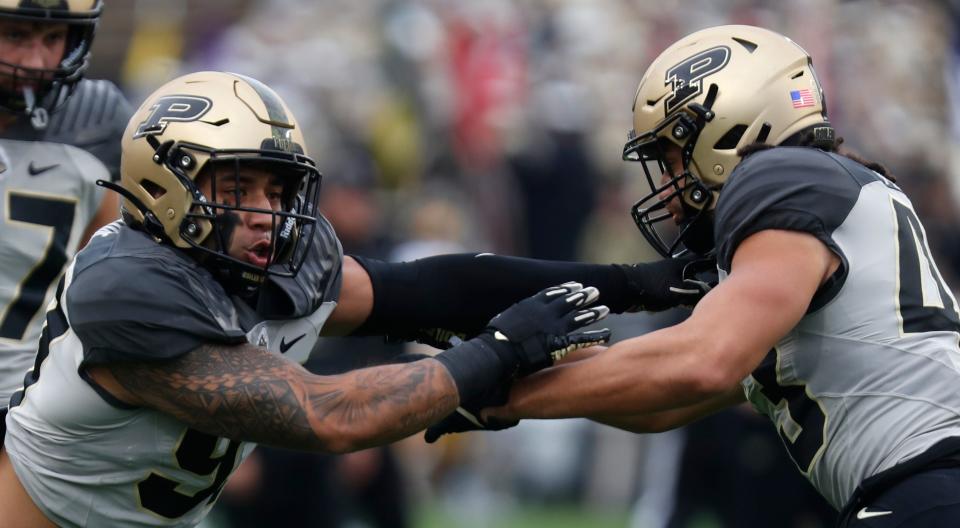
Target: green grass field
x,y
527,517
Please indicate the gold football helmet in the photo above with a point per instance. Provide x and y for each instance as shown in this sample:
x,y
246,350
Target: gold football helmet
x,y
208,119
52,86
710,94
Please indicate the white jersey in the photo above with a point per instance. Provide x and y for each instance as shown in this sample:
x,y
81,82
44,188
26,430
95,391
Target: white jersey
x,y
48,196
88,460
868,379
93,119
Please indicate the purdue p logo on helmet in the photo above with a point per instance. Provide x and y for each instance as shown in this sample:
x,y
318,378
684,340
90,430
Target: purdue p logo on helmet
x,y
215,119
183,108
710,94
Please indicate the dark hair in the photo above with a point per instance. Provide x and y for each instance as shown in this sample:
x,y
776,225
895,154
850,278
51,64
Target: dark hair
x,y
808,138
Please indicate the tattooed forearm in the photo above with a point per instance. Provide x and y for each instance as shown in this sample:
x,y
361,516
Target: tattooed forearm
x,y
246,393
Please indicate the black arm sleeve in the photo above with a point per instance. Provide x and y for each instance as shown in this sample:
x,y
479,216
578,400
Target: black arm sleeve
x,y
462,292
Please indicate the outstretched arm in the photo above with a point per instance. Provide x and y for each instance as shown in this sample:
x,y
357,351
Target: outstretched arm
x,y
245,392
659,421
355,302
774,276
248,393
428,299
671,419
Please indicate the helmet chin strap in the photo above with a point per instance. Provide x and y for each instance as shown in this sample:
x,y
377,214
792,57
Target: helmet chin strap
x,y
234,280
697,232
39,117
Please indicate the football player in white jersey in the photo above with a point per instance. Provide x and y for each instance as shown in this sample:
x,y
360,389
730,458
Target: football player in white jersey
x,y
59,133
160,360
831,317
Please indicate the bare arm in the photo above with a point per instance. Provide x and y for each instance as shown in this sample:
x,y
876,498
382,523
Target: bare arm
x,y
355,302
247,393
652,422
672,418
774,276
108,211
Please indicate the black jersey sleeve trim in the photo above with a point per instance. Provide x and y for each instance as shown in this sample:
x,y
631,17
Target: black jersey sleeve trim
x,y
807,223
148,309
788,188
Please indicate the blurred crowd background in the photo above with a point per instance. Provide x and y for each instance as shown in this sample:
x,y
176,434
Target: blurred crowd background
x,y
495,125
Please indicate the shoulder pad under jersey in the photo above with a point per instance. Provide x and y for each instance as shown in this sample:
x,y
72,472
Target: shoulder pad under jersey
x,y
93,118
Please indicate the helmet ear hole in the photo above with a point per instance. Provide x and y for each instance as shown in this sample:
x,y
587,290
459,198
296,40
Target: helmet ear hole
x,y
764,132
153,189
731,138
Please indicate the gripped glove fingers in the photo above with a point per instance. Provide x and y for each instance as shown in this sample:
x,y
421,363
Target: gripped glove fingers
x,y
543,328
528,336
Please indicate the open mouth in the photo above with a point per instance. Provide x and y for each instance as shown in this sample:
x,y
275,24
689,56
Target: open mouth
x,y
259,253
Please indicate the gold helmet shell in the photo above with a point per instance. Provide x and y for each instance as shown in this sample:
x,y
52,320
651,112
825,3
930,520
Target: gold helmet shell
x,y
710,94
194,121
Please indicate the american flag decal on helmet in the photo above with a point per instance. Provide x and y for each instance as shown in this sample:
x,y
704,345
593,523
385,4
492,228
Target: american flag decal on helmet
x,y
801,98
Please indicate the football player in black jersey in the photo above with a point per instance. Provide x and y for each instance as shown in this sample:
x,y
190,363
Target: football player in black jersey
x,y
175,336
830,317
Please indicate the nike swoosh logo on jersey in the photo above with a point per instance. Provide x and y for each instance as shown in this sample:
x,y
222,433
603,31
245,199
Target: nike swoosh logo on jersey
x,y
35,170
866,514
284,346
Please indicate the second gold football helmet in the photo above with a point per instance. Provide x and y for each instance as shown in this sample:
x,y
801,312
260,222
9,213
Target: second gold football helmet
x,y
710,94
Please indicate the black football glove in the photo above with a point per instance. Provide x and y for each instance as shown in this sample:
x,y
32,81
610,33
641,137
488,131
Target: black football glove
x,y
462,419
528,336
468,418
669,283
542,329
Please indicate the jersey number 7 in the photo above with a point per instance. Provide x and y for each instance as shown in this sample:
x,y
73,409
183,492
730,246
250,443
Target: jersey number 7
x,y
28,300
